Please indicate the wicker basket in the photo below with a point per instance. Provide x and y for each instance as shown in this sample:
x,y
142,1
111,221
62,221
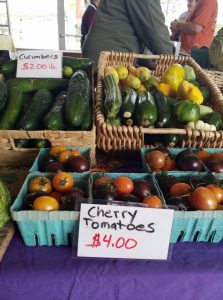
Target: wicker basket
x,y
132,137
217,77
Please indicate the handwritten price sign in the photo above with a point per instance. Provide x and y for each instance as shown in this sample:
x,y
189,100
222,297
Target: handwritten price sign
x,y
39,64
124,232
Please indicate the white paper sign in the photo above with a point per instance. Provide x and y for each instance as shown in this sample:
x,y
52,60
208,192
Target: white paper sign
x,y
39,64
124,232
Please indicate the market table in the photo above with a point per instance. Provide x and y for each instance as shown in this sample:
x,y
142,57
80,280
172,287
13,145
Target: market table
x,y
194,272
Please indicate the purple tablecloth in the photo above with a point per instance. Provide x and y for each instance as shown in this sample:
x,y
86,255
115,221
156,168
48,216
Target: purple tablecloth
x,y
49,273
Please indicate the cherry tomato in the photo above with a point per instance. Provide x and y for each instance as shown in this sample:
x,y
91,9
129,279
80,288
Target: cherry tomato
x,y
203,199
57,195
63,181
64,155
153,202
40,183
55,150
124,185
45,203
180,189
202,154
169,165
155,159
217,191
75,152
215,156
103,180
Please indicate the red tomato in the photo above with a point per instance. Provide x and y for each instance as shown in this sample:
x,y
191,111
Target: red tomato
x,y
203,199
155,159
153,202
124,185
217,191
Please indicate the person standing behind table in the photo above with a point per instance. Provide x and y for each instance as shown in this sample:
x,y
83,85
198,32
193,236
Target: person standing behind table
x,y
87,19
199,28
191,4
128,26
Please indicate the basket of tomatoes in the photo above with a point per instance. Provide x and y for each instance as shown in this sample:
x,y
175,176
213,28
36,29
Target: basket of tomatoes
x,y
47,207
132,189
198,201
162,159
60,159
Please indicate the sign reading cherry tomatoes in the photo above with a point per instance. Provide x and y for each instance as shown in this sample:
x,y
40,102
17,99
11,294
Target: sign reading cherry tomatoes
x,y
124,232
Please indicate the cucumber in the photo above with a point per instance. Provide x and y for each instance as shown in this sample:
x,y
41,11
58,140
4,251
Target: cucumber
x,y
88,118
78,98
8,68
27,85
163,107
3,94
128,107
12,110
146,111
77,63
54,119
113,98
39,106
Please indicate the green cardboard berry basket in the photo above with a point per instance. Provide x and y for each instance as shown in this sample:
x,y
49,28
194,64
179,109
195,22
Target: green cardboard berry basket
x,y
39,228
196,226
86,152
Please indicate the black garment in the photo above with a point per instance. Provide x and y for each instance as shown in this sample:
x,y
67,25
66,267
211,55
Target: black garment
x,y
87,20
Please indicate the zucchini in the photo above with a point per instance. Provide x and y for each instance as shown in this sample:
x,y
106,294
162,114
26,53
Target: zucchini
x,y
3,94
113,98
54,119
146,111
128,107
87,121
163,107
8,68
5,202
78,98
27,85
39,106
12,110
77,63
215,119
39,143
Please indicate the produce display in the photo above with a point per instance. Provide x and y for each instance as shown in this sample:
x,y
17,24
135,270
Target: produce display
x,y
176,99
59,159
51,104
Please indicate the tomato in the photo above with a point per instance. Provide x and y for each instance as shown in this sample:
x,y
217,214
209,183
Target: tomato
x,y
215,156
55,150
45,203
40,183
75,152
202,154
180,189
169,164
64,155
153,202
203,199
63,181
103,180
57,195
155,159
124,185
217,191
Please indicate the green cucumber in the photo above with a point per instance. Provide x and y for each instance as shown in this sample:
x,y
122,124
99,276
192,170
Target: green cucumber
x,y
163,107
54,119
13,108
146,111
87,121
27,85
77,63
113,98
39,106
3,94
78,98
128,107
8,68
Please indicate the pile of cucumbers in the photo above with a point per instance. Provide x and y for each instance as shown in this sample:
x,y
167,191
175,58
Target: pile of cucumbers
x,y
52,104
